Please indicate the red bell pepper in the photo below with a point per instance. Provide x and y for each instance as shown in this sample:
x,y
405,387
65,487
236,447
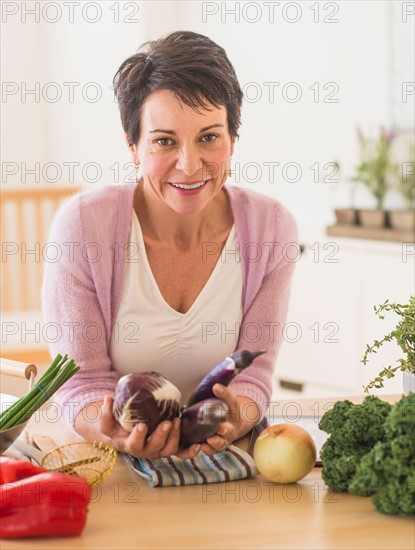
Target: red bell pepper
x,y
40,503
13,469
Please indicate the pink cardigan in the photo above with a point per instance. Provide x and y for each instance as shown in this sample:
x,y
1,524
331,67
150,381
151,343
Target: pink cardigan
x,y
83,280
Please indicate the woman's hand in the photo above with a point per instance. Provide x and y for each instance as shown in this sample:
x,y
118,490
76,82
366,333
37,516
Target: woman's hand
x,y
243,415
163,442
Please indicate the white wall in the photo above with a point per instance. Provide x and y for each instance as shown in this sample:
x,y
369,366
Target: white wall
x,y
24,122
77,138
353,53
287,47
91,132
56,51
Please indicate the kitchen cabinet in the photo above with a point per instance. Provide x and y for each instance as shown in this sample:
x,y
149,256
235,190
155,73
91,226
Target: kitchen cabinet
x,y
331,317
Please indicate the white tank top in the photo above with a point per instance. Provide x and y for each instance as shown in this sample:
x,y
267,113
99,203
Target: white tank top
x,y
149,335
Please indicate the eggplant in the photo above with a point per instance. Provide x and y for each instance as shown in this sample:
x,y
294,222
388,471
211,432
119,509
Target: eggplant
x,y
222,373
201,420
145,397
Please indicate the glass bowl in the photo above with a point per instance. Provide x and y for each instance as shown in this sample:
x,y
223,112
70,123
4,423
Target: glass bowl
x,y
9,436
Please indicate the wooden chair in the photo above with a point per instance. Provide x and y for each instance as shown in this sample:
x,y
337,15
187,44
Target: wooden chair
x,y
26,217
15,369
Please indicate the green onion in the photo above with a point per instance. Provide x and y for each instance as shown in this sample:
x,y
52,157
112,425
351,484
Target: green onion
x,y
59,372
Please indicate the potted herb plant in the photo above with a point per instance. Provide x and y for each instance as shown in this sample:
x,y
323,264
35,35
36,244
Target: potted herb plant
x,y
375,170
404,335
346,216
405,219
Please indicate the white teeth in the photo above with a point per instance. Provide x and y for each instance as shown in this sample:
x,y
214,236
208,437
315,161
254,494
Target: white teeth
x,y
194,186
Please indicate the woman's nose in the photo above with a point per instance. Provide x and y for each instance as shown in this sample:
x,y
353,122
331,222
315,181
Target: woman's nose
x,y
189,161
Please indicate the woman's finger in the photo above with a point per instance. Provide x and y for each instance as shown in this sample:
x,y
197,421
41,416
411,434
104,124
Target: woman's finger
x,y
228,396
226,430
190,452
158,439
172,442
208,449
136,440
125,442
217,443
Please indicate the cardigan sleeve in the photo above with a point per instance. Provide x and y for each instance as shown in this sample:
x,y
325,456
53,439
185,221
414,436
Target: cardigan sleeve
x,y
72,312
263,323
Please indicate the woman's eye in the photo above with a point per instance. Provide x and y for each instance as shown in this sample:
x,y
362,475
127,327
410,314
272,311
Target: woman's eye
x,y
162,141
212,137
207,138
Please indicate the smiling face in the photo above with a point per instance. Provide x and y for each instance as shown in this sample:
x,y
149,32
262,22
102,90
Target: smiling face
x,y
184,154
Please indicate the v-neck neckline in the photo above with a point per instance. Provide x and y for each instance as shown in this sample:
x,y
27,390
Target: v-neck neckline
x,y
153,279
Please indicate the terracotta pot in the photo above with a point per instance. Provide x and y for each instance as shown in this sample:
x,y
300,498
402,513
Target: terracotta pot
x,y
402,219
372,218
346,216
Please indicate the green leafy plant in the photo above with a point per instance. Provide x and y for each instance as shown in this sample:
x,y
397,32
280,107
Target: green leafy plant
x,y
388,470
371,452
376,169
403,334
354,430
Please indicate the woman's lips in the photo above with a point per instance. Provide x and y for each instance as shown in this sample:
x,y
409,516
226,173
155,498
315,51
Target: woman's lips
x,y
187,182
188,192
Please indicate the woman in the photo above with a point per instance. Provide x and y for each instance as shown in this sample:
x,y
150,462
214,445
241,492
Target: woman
x,y
177,271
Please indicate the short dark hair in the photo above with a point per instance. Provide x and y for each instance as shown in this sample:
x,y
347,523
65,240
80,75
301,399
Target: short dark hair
x,y
190,65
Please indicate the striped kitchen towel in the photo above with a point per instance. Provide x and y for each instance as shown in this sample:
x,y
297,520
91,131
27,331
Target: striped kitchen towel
x,y
228,465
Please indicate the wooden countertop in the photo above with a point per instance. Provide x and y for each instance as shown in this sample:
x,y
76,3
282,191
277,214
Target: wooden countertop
x,y
127,513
